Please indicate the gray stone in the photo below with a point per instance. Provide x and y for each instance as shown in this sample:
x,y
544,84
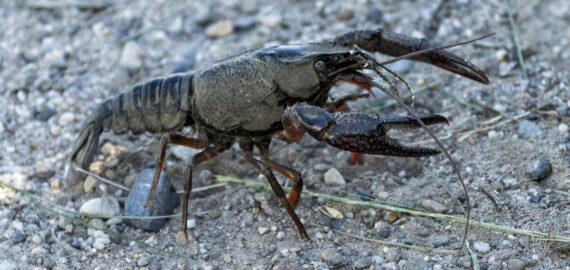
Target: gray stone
x,y
334,178
131,56
482,247
165,201
331,256
244,23
183,66
18,237
375,14
143,261
539,168
363,262
529,129
515,264
563,111
434,206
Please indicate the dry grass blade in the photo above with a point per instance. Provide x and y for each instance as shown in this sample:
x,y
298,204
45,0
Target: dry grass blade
x,y
536,234
516,39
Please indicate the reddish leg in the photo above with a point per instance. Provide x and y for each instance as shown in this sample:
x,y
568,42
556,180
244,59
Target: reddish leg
x,y
164,141
205,155
356,158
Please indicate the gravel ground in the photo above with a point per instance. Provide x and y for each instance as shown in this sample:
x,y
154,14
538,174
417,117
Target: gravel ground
x,y
59,59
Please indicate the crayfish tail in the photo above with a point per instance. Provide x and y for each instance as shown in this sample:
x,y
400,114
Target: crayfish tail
x,y
83,152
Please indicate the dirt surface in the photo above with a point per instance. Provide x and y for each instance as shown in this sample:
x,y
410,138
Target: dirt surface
x,y
59,60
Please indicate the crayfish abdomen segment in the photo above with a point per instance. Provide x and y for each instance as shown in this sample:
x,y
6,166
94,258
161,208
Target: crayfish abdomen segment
x,y
159,105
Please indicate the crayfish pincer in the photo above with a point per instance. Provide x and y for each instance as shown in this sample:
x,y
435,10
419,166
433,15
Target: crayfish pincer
x,y
277,92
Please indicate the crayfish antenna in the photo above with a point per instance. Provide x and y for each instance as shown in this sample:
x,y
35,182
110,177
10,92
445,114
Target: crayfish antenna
x,y
83,151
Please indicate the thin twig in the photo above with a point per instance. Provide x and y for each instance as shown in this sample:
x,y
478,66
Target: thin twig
x,y
104,180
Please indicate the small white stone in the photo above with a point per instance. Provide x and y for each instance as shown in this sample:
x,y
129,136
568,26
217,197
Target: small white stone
x,y
107,206
101,243
131,56
280,235
66,118
482,247
262,230
114,221
38,251
501,54
69,228
284,252
220,29
334,178
563,128
89,183
36,239
492,134
55,130
191,223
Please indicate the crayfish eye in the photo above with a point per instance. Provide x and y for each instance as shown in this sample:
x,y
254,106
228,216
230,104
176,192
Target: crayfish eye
x,y
320,65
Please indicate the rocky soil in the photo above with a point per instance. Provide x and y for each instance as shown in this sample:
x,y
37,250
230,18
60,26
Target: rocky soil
x,y
59,59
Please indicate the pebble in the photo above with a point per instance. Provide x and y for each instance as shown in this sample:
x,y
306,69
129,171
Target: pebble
x,y
244,23
332,212
131,56
38,251
262,230
191,223
45,173
165,201
390,216
55,184
482,247
183,66
515,264
345,14
220,29
383,233
529,129
563,111
434,206
492,134
374,15
501,54
363,262
55,130
270,20
66,119
539,168
18,237
107,206
334,178
143,261
280,235
563,128
89,183
331,257
75,243
97,223
364,194
36,239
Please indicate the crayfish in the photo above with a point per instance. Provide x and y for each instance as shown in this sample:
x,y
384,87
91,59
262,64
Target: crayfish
x,y
276,92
